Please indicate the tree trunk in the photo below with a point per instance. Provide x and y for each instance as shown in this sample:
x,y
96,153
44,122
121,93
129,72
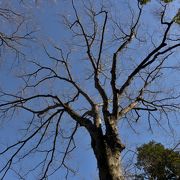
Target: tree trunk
x,y
107,152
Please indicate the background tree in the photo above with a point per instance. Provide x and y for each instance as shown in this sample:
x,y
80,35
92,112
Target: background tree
x,y
107,73
157,162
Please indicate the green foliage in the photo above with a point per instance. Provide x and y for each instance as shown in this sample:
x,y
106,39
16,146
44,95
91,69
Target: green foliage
x,y
142,2
157,162
167,1
177,18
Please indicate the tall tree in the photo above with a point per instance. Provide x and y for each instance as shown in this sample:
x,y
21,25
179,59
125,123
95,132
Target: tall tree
x,y
97,80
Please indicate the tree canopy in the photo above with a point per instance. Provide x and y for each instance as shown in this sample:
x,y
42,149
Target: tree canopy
x,y
157,162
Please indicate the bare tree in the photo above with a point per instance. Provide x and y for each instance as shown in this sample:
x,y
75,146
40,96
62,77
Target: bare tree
x,y
98,99
14,30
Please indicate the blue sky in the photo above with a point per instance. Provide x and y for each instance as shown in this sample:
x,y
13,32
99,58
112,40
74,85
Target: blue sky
x,y
46,19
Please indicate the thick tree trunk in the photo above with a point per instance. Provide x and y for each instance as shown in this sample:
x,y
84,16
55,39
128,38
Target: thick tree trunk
x,y
107,152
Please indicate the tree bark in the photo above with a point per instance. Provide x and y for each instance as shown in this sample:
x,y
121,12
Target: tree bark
x,y
107,152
